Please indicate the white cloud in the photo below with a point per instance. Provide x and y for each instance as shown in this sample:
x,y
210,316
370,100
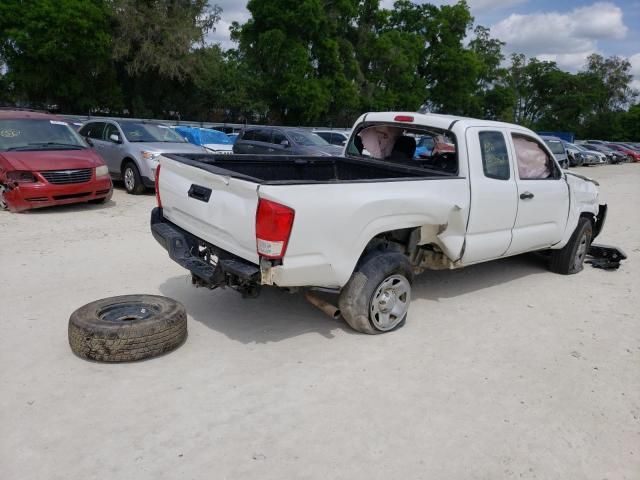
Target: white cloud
x,y
567,38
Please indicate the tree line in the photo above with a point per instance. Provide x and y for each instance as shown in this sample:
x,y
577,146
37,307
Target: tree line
x,y
295,62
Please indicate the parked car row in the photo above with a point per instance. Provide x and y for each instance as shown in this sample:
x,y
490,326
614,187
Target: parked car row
x,y
44,161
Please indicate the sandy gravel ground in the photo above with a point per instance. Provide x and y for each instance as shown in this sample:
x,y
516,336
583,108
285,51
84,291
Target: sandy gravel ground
x,y
503,370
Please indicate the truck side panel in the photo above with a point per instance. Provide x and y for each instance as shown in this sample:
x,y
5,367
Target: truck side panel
x,y
334,222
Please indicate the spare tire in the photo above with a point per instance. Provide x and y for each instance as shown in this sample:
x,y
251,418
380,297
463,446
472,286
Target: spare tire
x,y
127,328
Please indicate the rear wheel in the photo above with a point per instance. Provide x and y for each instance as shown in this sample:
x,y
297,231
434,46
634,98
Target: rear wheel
x,y
132,180
570,259
376,298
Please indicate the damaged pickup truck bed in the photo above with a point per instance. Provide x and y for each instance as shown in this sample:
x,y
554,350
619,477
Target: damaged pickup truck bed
x,y
365,223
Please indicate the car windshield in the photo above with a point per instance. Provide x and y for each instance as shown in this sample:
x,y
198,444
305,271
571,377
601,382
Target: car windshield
x,y
555,146
38,134
148,132
307,139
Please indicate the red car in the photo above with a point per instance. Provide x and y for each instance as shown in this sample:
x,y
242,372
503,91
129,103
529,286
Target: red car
x,y
44,162
632,154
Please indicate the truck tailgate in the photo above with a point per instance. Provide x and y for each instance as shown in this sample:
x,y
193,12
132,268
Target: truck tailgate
x,y
219,209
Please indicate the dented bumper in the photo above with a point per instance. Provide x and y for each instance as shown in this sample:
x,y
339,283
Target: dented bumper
x,y
26,196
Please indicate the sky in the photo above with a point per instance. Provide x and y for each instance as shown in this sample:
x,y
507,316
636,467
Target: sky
x,y
562,31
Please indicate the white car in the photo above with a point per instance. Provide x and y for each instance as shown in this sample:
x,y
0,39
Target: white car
x,y
334,137
362,225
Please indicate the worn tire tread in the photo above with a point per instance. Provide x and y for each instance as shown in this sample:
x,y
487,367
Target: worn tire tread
x,y
103,341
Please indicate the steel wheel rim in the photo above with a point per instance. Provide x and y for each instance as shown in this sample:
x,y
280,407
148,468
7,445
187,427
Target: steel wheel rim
x,y
129,178
581,251
390,302
127,312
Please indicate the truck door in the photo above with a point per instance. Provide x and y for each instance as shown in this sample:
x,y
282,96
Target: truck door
x,y
543,196
494,196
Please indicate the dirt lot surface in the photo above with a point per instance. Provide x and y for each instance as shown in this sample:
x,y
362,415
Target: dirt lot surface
x,y
503,370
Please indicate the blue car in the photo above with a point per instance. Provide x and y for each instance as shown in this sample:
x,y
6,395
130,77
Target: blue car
x,y
424,147
213,140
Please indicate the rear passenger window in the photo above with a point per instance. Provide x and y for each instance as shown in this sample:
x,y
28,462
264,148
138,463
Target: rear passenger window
x,y
93,130
495,159
249,135
278,137
263,135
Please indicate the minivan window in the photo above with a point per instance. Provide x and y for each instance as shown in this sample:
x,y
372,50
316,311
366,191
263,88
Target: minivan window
x,y
38,134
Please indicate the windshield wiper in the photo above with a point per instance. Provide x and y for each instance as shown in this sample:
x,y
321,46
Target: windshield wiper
x,y
43,145
73,146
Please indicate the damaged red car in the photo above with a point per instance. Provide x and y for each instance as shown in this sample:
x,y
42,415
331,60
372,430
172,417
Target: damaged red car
x,y
44,162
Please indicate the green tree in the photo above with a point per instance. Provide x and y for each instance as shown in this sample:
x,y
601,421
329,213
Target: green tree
x,y
303,65
614,75
57,52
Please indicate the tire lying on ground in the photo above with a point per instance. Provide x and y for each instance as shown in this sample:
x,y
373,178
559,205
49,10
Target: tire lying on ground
x,y
127,328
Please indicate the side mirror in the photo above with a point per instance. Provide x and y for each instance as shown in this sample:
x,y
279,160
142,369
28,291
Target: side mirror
x,y
115,138
89,141
285,143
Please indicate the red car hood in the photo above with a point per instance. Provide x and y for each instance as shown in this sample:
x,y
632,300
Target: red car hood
x,y
51,160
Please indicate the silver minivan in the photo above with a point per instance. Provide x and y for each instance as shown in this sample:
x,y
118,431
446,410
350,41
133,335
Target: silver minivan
x,y
131,149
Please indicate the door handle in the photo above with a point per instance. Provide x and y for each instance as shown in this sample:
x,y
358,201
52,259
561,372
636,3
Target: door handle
x,y
526,196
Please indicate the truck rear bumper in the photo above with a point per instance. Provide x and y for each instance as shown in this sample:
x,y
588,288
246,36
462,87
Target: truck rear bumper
x,y
209,265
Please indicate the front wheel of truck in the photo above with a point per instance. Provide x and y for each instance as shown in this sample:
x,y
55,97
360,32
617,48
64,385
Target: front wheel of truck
x,y
570,259
376,298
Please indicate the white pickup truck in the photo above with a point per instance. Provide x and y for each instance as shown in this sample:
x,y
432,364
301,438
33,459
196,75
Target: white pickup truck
x,y
362,225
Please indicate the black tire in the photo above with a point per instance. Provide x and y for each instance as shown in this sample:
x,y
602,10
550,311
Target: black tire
x,y
127,328
134,186
570,259
358,294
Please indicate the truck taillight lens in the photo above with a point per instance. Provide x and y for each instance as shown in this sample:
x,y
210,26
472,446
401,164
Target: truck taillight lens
x,y
273,228
158,187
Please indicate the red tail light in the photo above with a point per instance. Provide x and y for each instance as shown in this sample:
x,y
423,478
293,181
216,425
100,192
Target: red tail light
x,y
273,228
403,118
158,187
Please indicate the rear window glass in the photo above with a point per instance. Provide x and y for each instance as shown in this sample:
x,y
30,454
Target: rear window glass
x,y
416,147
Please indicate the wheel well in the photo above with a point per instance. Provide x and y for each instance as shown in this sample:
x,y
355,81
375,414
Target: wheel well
x,y
125,161
589,216
403,241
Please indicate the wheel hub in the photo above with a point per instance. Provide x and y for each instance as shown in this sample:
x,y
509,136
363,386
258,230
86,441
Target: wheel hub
x,y
390,302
